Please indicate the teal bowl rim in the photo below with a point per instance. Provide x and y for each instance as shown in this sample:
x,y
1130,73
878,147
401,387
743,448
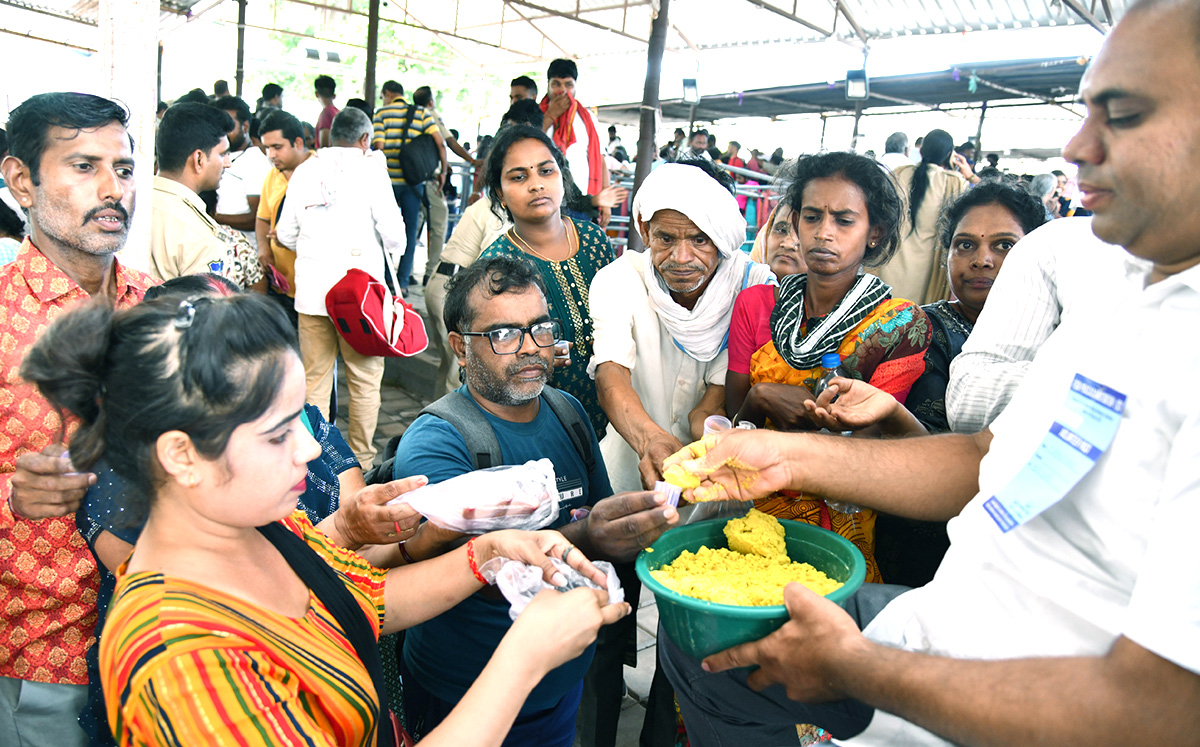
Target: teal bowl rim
x,y
839,595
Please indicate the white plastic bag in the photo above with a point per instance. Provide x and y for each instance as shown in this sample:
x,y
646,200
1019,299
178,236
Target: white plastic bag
x,y
521,496
520,583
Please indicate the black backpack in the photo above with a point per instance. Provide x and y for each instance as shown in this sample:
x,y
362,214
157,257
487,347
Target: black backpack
x,y
459,411
418,157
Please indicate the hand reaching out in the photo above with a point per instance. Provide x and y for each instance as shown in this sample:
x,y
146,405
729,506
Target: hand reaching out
x,y
734,465
557,627
610,196
45,484
651,463
536,549
848,405
859,405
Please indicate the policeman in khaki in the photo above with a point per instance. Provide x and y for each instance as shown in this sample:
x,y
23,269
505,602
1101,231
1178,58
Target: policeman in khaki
x,y
192,146
1067,610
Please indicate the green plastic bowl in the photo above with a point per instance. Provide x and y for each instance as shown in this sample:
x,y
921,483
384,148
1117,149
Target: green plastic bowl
x,y
700,627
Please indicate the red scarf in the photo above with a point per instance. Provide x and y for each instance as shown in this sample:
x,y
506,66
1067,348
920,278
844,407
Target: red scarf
x,y
564,137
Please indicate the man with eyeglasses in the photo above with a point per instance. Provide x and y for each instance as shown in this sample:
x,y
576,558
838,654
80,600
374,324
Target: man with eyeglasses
x,y
501,331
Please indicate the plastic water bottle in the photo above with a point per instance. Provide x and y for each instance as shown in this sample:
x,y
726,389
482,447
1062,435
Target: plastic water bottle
x,y
832,365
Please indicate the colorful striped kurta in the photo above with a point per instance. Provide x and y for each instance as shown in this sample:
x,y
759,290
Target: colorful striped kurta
x,y
184,664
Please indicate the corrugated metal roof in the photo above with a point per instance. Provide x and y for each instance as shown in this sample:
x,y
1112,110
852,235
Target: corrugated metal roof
x,y
544,29
1053,80
496,32
74,23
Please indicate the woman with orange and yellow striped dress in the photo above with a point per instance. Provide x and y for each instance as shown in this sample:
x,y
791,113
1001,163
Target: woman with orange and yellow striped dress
x,y
235,621
847,213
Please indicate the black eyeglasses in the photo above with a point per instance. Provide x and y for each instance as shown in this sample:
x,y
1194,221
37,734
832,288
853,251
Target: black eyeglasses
x,y
508,340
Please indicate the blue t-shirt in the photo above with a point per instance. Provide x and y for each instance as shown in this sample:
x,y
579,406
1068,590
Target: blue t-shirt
x,y
448,653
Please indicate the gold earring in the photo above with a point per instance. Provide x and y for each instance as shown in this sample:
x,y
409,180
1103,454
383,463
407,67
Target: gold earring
x,y
193,481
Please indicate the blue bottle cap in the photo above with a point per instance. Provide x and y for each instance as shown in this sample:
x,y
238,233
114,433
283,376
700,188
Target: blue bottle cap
x,y
831,360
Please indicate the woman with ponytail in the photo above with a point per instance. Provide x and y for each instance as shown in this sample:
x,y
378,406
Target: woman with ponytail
x,y
235,621
917,272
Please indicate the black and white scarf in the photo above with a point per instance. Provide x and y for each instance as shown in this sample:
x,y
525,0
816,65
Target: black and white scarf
x,y
803,352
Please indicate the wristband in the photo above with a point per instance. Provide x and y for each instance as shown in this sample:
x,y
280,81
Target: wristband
x,y
473,564
404,553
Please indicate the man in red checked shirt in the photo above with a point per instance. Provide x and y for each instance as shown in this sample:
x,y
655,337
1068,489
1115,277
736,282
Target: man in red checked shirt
x,y
570,125
70,167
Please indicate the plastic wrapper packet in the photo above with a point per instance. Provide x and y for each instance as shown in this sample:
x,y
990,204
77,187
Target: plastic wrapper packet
x,y
520,496
520,583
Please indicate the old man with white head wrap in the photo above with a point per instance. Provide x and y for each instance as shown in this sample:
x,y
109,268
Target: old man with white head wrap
x,y
662,320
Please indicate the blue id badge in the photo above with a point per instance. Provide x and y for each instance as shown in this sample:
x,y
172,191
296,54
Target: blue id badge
x,y
1083,430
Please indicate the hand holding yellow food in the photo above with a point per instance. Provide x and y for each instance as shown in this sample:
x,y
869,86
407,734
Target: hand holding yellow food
x,y
708,470
753,574
680,478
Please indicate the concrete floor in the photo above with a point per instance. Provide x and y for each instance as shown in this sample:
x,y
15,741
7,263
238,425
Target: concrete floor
x,y
407,387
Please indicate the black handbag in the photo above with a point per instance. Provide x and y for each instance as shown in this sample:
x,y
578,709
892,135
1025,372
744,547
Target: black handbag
x,y
329,587
419,157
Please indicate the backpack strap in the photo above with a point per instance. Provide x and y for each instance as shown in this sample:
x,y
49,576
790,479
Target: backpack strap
x,y
576,428
330,587
404,138
459,411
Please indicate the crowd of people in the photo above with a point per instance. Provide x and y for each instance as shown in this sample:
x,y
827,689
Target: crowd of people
x,y
193,552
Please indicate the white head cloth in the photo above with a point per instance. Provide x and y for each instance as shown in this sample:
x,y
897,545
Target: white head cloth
x,y
703,331
687,189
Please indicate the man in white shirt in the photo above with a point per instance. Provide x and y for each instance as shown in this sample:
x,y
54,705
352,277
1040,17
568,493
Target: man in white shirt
x,y
662,320
697,147
895,151
1044,275
242,182
570,125
1068,606
338,209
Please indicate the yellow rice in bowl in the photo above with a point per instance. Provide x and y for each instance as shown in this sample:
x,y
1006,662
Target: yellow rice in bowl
x,y
756,579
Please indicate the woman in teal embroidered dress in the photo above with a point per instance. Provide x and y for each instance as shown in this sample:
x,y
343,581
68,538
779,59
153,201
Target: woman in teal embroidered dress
x,y
529,177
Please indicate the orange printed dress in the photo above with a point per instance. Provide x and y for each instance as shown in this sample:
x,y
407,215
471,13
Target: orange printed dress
x,y
883,344
183,664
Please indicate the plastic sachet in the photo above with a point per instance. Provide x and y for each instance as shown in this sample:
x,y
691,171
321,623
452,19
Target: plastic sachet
x,y
520,583
520,496
673,492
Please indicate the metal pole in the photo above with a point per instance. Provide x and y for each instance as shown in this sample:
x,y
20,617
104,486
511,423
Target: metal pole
x,y
824,122
241,50
160,56
858,107
372,53
127,75
647,142
979,133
